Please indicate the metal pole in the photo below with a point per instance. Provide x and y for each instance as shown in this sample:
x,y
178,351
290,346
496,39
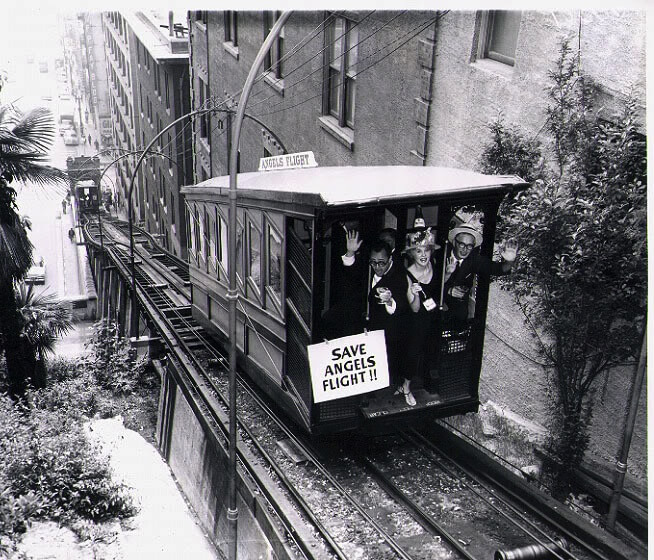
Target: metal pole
x,y
134,318
621,463
232,293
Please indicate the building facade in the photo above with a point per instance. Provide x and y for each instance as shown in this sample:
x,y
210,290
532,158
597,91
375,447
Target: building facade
x,y
359,109
501,62
148,68
96,85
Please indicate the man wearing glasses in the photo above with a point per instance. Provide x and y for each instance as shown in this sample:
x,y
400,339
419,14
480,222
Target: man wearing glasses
x,y
387,304
463,265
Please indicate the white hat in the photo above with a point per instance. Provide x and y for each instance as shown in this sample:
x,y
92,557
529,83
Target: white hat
x,y
465,228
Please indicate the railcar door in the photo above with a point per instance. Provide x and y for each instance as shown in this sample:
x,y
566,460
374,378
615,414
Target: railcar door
x,y
458,366
299,274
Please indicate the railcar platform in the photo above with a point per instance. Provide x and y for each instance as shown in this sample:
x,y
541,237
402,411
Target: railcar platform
x,y
386,403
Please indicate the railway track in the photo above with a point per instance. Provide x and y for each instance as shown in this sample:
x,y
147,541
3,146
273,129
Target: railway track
x,y
344,503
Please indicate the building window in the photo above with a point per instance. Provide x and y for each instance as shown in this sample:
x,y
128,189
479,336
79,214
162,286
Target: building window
x,y
170,153
274,55
201,16
231,28
167,90
499,35
205,122
340,85
157,81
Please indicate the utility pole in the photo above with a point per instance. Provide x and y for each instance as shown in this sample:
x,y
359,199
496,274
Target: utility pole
x,y
621,463
232,293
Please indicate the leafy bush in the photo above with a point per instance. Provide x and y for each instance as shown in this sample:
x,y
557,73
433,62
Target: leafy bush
x,y
65,472
48,468
581,279
113,362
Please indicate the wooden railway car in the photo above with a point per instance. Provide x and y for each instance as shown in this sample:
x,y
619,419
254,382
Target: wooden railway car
x,y
291,235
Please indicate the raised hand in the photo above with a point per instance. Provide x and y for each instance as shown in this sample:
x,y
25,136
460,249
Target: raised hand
x,y
352,242
450,265
509,250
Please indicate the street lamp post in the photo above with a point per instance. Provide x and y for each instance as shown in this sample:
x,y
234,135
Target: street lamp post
x,y
232,293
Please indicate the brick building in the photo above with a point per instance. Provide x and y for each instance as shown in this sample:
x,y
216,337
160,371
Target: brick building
x,y
369,117
148,67
96,85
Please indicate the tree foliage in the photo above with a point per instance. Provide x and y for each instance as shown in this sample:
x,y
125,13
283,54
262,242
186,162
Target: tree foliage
x,y
25,139
581,277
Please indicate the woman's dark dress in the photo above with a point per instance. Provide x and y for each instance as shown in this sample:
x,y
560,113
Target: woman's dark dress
x,y
424,334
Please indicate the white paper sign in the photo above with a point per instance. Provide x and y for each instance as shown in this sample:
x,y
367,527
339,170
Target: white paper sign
x,y
348,366
300,160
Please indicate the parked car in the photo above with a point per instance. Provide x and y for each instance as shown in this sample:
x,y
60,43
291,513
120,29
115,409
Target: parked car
x,y
43,66
64,127
36,273
70,138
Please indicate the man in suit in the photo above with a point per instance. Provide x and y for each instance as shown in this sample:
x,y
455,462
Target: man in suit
x,y
463,265
386,304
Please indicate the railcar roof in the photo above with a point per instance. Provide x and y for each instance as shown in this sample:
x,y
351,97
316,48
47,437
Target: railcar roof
x,y
338,186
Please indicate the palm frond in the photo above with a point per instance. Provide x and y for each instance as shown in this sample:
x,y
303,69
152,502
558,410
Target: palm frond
x,y
29,167
15,252
45,318
36,129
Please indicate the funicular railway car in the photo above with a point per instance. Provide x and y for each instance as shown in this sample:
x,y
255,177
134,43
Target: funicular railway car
x,y
292,235
87,194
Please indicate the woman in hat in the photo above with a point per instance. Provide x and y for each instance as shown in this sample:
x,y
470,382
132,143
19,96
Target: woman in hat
x,y
424,287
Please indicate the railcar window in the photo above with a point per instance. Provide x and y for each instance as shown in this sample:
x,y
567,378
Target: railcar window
x,y
274,280
221,236
202,255
254,256
211,240
239,247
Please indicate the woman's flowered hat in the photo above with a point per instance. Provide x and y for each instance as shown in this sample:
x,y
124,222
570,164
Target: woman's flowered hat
x,y
421,238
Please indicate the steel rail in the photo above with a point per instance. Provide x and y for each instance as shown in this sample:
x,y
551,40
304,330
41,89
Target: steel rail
x,y
568,556
423,517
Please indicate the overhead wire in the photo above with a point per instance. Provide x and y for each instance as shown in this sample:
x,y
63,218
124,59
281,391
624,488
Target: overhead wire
x,y
318,53
412,34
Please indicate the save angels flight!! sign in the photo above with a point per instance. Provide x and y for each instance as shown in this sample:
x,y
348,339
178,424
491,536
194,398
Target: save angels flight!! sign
x,y
348,366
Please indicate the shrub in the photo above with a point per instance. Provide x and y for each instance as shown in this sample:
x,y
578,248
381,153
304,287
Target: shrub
x,y
112,361
49,469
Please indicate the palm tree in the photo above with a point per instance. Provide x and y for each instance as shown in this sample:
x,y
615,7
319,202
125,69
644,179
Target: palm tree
x,y
25,139
44,319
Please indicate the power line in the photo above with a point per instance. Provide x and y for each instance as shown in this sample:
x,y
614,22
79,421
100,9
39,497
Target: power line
x,y
413,33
